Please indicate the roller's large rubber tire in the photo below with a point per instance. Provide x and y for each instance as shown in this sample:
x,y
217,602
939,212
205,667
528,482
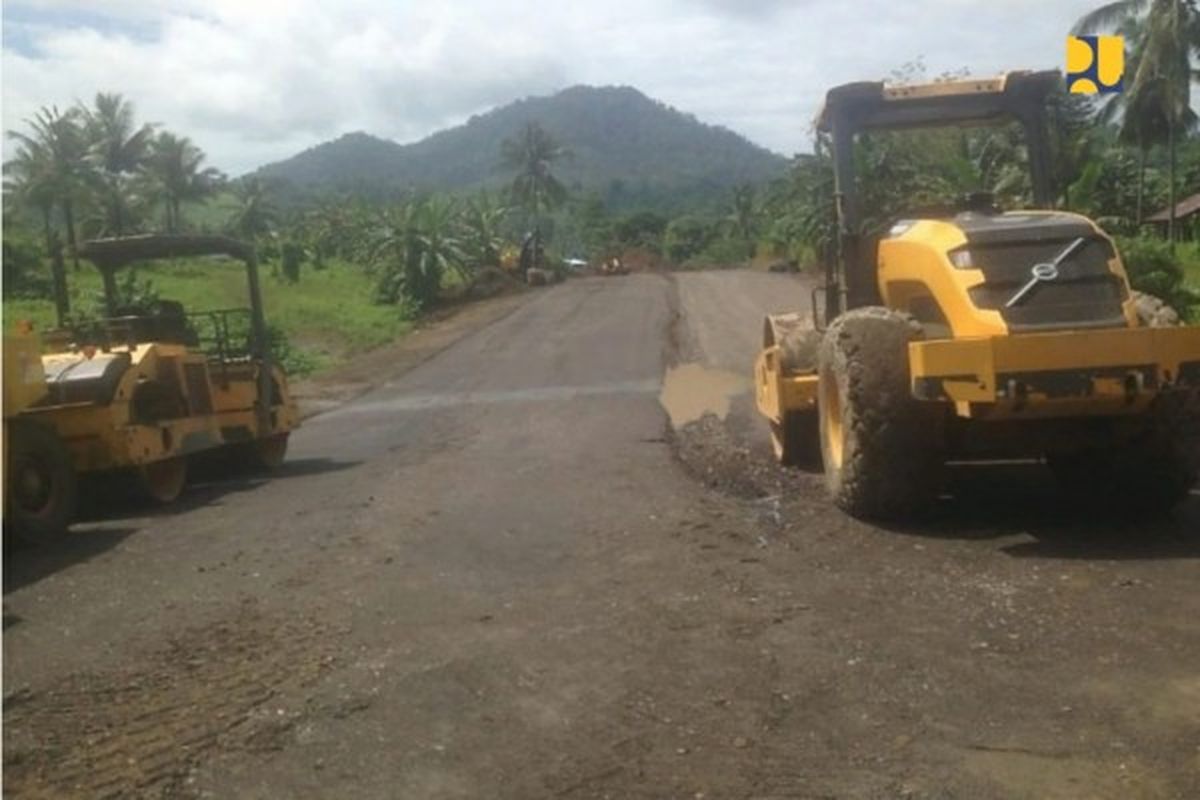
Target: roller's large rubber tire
x,y
1153,312
883,450
161,482
41,489
1149,474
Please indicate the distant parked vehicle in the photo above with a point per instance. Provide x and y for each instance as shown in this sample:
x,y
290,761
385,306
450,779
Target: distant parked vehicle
x,y
614,266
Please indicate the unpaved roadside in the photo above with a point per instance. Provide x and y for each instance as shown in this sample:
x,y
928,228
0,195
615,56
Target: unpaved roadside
x,y
1009,645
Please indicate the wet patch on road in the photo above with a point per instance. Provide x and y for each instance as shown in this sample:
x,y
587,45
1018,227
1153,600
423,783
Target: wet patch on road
x,y
691,391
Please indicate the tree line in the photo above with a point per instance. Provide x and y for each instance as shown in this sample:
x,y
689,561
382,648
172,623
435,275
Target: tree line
x,y
93,170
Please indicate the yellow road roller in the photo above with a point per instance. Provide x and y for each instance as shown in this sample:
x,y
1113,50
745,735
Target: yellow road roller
x,y
140,391
972,333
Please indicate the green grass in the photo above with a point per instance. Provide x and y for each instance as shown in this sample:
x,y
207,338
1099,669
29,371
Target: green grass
x,y
1188,256
327,316
212,214
1190,261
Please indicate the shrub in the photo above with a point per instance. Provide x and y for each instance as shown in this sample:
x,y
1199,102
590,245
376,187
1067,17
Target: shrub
x,y
723,252
291,257
640,229
24,276
1153,269
134,296
686,237
296,362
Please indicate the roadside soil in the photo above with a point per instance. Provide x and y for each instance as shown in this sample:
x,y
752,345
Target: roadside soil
x,y
1011,644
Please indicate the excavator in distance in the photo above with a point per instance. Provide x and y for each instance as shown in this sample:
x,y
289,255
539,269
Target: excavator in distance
x,y
972,333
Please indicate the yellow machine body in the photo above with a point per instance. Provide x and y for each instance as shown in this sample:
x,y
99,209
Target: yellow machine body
x,y
989,367
916,273
1073,358
776,392
199,405
24,378
1098,373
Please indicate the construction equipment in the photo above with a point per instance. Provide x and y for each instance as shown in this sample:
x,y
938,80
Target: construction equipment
x,y
613,266
969,333
40,489
142,392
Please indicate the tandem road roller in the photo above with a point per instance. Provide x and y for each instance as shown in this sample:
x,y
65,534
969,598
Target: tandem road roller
x,y
138,393
970,333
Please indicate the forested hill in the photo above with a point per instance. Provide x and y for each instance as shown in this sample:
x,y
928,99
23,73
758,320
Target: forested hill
x,y
631,149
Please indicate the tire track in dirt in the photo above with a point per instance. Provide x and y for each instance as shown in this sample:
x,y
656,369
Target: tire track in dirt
x,y
139,731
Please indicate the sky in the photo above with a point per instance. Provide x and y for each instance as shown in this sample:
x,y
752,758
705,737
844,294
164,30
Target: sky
x,y
255,81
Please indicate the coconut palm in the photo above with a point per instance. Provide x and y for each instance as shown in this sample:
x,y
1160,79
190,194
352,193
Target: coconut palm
x,y
119,148
256,214
29,180
532,153
55,153
174,170
1166,35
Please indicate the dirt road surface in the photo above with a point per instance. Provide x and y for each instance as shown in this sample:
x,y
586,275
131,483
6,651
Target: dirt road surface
x,y
504,573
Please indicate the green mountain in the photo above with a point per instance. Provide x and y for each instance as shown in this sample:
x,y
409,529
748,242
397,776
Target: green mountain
x,y
632,150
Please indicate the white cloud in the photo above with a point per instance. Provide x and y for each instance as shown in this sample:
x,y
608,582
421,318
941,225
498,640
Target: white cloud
x,y
257,81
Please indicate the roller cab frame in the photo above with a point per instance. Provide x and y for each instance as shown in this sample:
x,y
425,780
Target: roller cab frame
x,y
1023,335
140,393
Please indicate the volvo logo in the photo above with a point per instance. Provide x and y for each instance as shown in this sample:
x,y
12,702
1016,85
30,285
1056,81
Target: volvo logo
x,y
1045,271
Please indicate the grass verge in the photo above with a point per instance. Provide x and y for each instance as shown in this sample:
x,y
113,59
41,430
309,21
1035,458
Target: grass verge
x,y
327,316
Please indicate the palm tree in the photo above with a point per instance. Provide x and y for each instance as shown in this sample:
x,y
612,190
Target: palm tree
x,y
173,167
338,227
532,153
256,214
56,150
742,220
1166,35
481,238
441,249
119,148
414,247
29,180
1143,126
801,205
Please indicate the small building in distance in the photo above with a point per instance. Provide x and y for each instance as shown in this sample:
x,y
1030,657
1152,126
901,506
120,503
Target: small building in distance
x,y
1187,217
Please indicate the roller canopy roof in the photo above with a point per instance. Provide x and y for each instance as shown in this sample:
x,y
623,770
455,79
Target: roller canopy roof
x,y
867,105
119,251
